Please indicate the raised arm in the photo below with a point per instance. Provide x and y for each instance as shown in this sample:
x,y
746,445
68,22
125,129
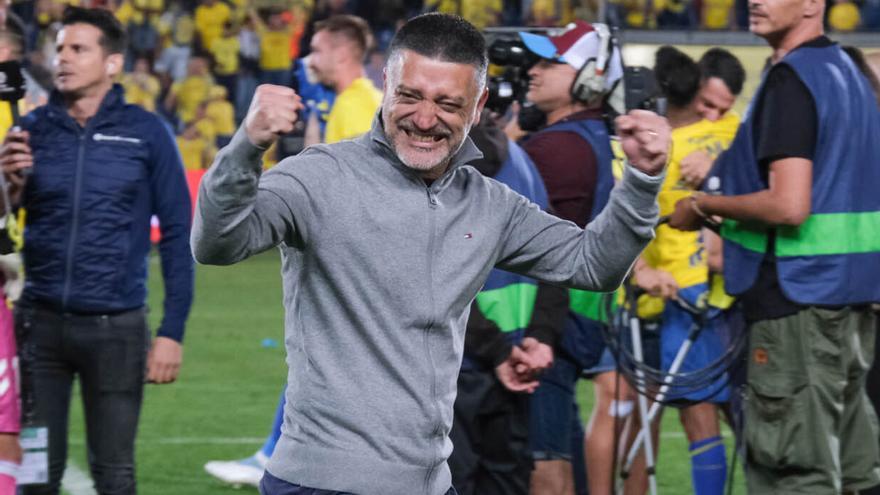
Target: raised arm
x,y
235,217
598,257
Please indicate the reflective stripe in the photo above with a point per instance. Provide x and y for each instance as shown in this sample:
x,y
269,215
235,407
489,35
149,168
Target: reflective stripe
x,y
821,234
753,239
831,233
509,307
588,304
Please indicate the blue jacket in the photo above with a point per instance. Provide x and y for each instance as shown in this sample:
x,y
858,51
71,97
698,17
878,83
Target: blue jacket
x,y
89,202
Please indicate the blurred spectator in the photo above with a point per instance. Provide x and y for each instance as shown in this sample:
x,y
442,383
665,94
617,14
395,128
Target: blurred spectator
x,y
480,13
249,58
179,29
316,97
141,19
549,13
141,87
222,114
185,96
324,9
275,38
204,124
717,14
338,50
225,51
195,151
843,16
211,16
674,14
871,15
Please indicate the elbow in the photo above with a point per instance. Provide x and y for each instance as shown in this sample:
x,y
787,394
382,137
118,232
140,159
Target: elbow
x,y
611,283
213,255
792,216
209,252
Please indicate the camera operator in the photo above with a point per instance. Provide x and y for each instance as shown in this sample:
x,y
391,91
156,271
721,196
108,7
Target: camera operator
x,y
573,154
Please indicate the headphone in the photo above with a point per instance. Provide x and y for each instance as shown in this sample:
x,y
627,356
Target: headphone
x,y
589,83
110,66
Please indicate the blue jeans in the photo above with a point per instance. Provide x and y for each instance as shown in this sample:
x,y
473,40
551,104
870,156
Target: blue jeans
x,y
271,485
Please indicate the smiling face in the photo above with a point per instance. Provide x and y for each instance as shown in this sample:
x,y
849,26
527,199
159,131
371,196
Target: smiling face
x,y
714,99
429,106
81,63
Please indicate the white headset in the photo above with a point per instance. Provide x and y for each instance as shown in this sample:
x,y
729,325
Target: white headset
x,y
589,84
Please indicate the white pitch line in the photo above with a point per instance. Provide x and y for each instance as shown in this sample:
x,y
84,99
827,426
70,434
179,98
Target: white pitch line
x,y
76,481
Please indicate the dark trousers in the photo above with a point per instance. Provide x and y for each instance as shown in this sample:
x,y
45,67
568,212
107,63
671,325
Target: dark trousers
x,y
271,485
490,437
108,354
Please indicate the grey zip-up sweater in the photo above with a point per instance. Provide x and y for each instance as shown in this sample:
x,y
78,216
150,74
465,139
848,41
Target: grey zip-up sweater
x,y
379,271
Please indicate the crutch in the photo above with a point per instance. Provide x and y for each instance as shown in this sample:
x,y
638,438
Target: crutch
x,y
636,335
644,434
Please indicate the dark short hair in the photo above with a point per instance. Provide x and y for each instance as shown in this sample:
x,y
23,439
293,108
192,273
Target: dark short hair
x,y
350,27
720,63
112,33
444,37
677,75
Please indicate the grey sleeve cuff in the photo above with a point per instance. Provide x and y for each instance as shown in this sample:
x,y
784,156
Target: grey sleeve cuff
x,y
241,150
640,182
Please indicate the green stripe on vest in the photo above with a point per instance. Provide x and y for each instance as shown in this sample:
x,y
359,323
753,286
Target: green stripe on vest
x,y
821,234
509,307
588,304
831,233
750,236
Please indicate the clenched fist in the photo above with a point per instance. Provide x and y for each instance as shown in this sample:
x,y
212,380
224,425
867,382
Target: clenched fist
x,y
645,138
271,114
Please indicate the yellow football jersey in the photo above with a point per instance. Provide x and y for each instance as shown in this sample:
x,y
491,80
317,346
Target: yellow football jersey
x,y
275,48
677,252
353,111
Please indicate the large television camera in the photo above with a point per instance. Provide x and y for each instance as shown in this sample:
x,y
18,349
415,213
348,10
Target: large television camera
x,y
509,80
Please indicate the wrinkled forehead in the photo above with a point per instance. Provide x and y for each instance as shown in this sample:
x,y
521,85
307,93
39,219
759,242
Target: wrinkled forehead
x,y
432,76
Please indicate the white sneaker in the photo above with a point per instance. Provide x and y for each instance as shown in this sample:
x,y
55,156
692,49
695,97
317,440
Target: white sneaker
x,y
247,471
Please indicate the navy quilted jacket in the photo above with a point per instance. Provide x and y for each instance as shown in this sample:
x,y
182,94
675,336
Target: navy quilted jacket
x,y
89,202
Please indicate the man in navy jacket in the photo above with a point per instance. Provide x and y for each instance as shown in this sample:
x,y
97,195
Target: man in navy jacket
x,y
96,170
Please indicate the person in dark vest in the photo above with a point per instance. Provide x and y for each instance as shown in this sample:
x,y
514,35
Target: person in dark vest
x,y
512,315
798,197
576,71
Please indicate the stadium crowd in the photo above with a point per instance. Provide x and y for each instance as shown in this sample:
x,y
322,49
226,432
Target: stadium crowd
x,y
194,68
